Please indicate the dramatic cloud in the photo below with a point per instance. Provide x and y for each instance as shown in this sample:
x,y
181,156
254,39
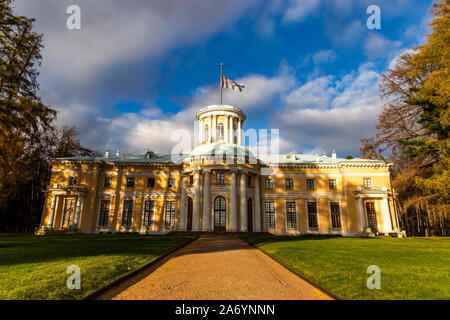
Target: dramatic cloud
x,y
328,114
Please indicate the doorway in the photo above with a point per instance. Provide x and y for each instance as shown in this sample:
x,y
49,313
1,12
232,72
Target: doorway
x,y
220,214
189,214
250,215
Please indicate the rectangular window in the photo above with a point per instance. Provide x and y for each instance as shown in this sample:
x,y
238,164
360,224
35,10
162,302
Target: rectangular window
x,y
150,182
130,182
312,215
335,215
270,214
289,184
367,182
103,219
249,181
127,214
171,183
371,216
169,214
332,184
220,178
291,215
191,180
107,182
73,180
269,184
310,184
149,211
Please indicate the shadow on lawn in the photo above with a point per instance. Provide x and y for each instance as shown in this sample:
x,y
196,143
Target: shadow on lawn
x,y
56,247
257,240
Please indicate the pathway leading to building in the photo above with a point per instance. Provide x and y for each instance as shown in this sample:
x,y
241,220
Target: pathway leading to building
x,y
216,268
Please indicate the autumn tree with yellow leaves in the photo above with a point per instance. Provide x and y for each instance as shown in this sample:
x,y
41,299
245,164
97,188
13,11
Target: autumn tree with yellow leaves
x,y
413,130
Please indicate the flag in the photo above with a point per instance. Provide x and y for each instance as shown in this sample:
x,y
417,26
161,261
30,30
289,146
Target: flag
x,y
230,84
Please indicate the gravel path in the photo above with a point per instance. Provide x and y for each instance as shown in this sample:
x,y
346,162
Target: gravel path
x,y
219,267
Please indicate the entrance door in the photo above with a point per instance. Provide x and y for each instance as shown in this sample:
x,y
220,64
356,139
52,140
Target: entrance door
x,y
189,214
69,213
220,214
250,215
371,216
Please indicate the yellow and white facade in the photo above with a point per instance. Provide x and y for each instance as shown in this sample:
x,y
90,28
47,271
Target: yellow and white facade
x,y
220,187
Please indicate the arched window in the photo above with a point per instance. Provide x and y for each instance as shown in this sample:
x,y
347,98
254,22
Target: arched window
x,y
220,132
206,134
220,213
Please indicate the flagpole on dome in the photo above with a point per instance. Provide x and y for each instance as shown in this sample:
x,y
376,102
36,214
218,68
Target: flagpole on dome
x,y
220,83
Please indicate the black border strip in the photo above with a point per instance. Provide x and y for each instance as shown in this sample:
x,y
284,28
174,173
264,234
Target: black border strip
x,y
130,275
317,286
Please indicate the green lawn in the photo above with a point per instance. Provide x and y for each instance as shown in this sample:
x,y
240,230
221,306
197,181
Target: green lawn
x,y
412,268
33,267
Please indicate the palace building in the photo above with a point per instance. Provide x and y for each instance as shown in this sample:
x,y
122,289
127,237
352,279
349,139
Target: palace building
x,y
220,186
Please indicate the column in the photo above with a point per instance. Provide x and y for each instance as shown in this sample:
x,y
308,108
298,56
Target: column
x,y
233,217
183,199
210,129
213,128
239,132
230,123
244,223
257,213
52,212
387,223
362,220
196,204
79,209
206,202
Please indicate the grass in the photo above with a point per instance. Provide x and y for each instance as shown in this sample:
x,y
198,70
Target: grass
x,y
412,268
33,267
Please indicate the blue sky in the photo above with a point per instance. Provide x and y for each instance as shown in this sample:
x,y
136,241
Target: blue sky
x,y
138,70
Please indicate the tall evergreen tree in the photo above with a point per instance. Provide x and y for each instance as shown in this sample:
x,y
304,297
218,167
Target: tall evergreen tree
x,y
414,128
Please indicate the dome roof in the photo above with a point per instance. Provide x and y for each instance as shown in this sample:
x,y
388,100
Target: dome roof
x,y
220,148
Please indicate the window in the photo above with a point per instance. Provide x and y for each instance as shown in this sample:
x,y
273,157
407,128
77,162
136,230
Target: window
x,y
150,182
332,184
169,214
310,184
249,181
291,215
220,132
149,211
220,178
335,215
312,214
269,184
171,183
191,180
107,182
103,219
270,214
367,182
206,138
371,216
130,182
289,184
72,180
127,214
69,212
220,213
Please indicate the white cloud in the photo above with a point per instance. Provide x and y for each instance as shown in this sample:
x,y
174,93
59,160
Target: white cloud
x,y
298,10
331,114
377,46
